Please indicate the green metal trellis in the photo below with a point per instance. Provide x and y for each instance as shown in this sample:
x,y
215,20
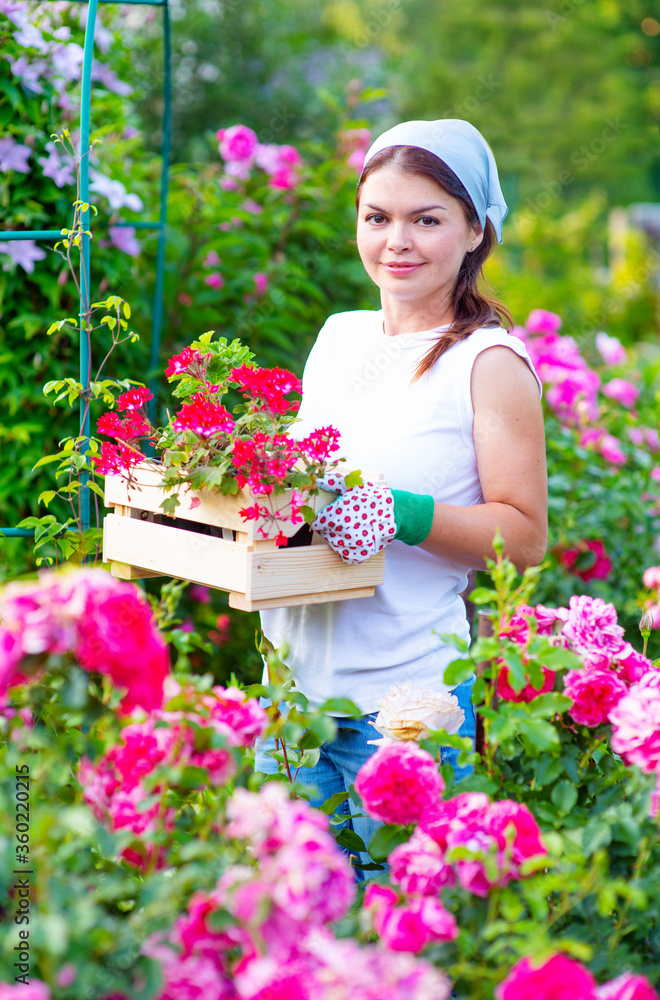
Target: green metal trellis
x,y
160,225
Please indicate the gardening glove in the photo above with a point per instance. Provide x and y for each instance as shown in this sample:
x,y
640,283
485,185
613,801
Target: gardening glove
x,y
363,519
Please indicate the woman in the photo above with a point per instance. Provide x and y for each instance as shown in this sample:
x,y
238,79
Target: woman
x,y
432,392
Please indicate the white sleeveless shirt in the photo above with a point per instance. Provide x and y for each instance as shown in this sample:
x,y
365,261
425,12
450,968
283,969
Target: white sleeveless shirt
x,y
419,436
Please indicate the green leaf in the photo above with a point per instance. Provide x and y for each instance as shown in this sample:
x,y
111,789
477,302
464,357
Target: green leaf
x,y
46,460
483,595
385,839
324,729
549,704
458,671
342,705
456,641
540,734
46,497
564,795
348,838
353,479
310,758
309,741
330,805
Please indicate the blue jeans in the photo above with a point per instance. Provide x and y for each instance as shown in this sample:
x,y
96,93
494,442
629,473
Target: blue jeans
x,y
342,759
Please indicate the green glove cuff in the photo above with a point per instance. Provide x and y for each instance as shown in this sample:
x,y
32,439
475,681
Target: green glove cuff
x,y
413,513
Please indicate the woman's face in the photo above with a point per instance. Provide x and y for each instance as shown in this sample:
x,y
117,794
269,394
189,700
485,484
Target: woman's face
x,y
412,236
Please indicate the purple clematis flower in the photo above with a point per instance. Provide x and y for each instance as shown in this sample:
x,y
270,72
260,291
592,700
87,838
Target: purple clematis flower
x,y
16,12
115,192
14,156
60,168
123,237
23,253
30,73
30,37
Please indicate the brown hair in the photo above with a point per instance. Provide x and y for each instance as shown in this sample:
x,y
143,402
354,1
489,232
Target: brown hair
x,y
472,309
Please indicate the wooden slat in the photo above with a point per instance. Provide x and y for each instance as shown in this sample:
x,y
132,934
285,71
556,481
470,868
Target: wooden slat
x,y
125,572
214,508
168,551
305,570
241,603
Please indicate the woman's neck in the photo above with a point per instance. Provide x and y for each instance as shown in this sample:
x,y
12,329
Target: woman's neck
x,y
401,317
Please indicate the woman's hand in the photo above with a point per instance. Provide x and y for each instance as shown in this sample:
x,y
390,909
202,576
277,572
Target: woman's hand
x,y
364,519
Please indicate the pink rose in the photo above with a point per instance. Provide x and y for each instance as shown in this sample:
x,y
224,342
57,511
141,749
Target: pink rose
x,y
610,349
632,664
356,160
238,143
418,866
34,990
594,692
621,391
214,280
610,449
414,925
592,629
560,978
542,321
627,987
601,566
399,783
516,831
260,282
651,578
635,720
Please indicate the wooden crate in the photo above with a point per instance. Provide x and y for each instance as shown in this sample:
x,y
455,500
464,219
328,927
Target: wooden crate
x,y
255,572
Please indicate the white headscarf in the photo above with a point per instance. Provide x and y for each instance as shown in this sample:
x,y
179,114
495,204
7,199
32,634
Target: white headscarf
x,y
465,151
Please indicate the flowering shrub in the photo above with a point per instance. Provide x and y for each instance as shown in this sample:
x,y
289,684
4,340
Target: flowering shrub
x,y
103,622
173,869
601,421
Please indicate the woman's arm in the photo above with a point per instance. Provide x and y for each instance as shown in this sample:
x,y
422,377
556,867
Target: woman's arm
x,y
510,447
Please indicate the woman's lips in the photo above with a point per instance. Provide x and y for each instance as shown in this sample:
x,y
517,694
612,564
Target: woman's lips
x,y
396,267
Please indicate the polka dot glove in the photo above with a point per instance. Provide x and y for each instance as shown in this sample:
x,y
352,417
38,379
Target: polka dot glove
x,y
363,519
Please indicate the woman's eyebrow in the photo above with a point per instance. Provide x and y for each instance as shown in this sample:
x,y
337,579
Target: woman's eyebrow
x,y
417,211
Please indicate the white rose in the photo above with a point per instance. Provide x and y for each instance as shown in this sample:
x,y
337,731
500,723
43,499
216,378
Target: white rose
x,y
410,713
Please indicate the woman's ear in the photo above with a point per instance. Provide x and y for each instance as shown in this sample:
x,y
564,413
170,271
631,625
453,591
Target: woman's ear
x,y
478,235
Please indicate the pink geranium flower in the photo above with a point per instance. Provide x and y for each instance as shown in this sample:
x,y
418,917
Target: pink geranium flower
x,y
399,783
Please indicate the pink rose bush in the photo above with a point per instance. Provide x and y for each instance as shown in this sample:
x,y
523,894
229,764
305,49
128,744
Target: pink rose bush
x,y
588,627
103,623
279,942
151,753
241,151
